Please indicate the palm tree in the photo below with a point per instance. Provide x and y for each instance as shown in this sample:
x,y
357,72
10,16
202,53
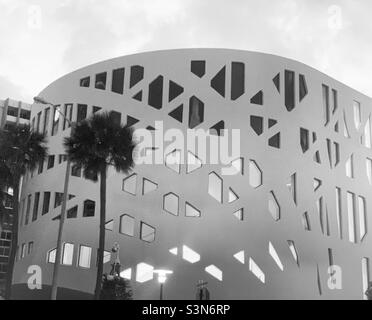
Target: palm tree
x,y
21,150
96,144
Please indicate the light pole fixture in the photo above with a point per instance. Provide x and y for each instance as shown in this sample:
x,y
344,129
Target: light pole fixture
x,y
57,261
162,278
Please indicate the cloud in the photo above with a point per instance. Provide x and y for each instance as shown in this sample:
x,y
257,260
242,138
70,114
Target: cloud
x,y
48,39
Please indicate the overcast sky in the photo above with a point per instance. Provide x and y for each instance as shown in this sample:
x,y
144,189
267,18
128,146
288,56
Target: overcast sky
x,y
42,40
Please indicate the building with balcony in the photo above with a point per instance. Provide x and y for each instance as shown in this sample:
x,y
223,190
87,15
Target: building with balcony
x,y
290,220
14,112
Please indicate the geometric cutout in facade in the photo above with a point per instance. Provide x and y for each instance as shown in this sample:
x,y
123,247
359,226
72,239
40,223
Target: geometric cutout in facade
x,y
196,112
198,68
255,174
258,98
357,114
276,81
306,221
144,272
304,139
257,124
302,87
174,90
148,186
293,250
174,251
130,184
156,93
275,256
217,129
191,211
138,96
190,255
126,274
109,225
147,232
317,184
177,113
215,272
171,203
239,214
237,80
127,225
218,82
136,75
255,269
173,160
289,77
215,186
232,196
240,256
193,163
131,121
274,207
274,141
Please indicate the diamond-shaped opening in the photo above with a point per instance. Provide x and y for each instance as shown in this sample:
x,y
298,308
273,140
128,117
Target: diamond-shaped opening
x,y
171,203
255,174
215,186
190,255
130,184
274,207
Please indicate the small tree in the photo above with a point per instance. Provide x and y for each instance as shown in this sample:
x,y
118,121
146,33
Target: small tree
x,y
96,144
21,150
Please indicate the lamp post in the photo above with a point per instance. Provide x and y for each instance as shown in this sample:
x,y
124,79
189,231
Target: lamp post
x,y
57,261
162,278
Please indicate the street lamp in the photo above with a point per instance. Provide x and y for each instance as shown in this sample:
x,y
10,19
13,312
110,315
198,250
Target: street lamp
x,y
162,277
57,261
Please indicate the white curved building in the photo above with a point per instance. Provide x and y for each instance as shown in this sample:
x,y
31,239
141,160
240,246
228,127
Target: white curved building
x,y
298,201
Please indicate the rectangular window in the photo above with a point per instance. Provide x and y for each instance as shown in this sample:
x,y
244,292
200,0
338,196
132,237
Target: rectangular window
x,y
101,81
23,252
28,209
68,115
89,208
357,114
85,255
25,114
81,112
339,211
50,162
68,254
58,199
116,117
85,82
38,122
118,80
76,171
36,206
362,217
41,167
46,203
46,121
351,216
55,124
12,111
335,100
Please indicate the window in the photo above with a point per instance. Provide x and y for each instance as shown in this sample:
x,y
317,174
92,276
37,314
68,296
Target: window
x,y
237,80
55,124
101,81
46,121
214,271
51,256
357,114
118,81
12,111
72,213
289,90
89,208
255,269
215,186
46,202
335,100
156,93
275,256
255,174
76,171
258,98
325,92
362,217
351,216
58,199
304,139
171,203
85,82
219,81
30,247
50,162
274,208
257,124
25,114
148,186
196,112
130,184
174,91
36,206
23,251
173,161
68,254
136,75
198,68
85,255
115,117
81,112
191,211
190,255
127,225
303,87
365,276
147,232
41,167
28,209
68,115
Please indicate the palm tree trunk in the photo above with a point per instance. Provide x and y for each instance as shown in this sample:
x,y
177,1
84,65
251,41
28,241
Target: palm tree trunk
x,y
102,231
14,244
